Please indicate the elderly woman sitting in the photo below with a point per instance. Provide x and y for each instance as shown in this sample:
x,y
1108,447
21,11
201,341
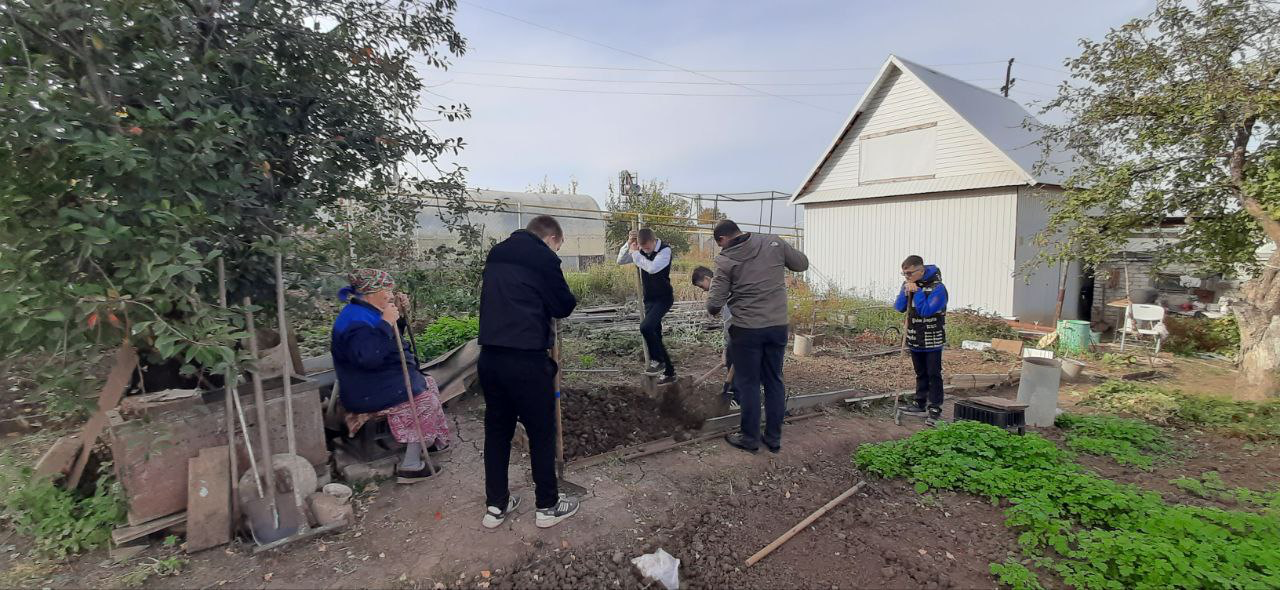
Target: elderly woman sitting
x,y
371,379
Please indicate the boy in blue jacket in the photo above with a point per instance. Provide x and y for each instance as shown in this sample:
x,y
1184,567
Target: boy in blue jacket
x,y
926,331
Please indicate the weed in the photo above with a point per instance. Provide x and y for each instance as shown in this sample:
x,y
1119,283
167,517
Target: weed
x,y
970,325
1188,336
1252,420
1118,361
59,521
445,334
1211,487
1126,441
168,566
587,361
1090,531
170,541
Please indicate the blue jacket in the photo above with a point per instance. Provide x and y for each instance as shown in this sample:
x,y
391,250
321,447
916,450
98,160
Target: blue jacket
x,y
364,357
926,324
523,289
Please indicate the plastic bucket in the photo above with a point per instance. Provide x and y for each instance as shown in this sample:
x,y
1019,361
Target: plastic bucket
x,y
1038,389
1074,336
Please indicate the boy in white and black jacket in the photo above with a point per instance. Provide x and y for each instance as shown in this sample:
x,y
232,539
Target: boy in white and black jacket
x,y
926,331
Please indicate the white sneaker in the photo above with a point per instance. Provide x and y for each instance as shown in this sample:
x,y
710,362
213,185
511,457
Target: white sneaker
x,y
549,517
493,518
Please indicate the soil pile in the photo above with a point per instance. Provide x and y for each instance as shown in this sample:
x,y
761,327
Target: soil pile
x,y
601,419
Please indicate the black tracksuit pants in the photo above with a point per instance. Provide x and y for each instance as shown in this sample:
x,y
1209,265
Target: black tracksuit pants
x,y
651,330
518,385
928,366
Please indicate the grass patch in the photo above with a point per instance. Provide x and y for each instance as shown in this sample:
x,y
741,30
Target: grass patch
x,y
61,522
149,568
1251,420
1090,531
1128,442
970,325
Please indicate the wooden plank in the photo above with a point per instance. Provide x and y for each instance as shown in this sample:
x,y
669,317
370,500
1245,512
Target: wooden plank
x,y
60,458
208,499
1013,347
998,403
124,534
108,398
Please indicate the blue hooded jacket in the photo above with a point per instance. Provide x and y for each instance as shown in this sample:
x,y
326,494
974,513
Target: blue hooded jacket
x,y
365,359
926,325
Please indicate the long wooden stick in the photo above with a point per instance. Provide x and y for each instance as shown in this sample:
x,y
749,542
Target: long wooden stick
x,y
286,369
260,401
229,391
761,554
413,404
707,375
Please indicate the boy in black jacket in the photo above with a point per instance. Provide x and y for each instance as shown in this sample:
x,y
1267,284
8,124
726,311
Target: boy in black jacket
x,y
523,290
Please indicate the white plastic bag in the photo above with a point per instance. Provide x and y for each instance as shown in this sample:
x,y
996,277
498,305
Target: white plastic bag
x,y
660,566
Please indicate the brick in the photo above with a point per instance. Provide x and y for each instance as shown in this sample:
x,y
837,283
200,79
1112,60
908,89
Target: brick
x,y
1013,347
208,499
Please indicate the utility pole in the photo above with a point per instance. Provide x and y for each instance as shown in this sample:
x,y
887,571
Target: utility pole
x,y
1008,79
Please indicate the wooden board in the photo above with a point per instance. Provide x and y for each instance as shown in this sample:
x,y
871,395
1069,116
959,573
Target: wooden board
x,y
998,403
124,534
1013,347
208,499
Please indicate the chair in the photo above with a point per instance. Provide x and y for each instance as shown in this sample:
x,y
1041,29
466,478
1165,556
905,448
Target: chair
x,y
1143,319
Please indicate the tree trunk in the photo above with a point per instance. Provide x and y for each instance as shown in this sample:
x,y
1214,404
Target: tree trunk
x,y
1258,316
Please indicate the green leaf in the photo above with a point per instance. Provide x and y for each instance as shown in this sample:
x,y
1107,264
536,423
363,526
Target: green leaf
x,y
54,316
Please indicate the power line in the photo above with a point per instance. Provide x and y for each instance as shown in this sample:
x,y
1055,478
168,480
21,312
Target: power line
x,y
716,70
643,93
527,77
646,58
1047,68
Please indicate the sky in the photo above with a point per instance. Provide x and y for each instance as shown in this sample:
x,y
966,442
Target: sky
x,y
584,89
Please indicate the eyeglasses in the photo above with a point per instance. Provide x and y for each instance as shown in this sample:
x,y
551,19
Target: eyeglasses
x,y
907,273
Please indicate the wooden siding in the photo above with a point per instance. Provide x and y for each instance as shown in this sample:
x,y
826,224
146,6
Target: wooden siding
x,y
859,245
902,102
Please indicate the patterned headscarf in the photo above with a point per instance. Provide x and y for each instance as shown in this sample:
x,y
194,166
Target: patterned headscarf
x,y
365,281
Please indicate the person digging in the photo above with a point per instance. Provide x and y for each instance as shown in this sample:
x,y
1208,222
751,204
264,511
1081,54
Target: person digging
x,y
926,311
653,258
701,278
750,276
371,378
522,289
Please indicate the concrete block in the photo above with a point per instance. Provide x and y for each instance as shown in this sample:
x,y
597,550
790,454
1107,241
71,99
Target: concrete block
x,y
1013,347
208,499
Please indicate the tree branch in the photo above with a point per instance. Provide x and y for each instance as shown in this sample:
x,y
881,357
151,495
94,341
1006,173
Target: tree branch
x,y
1239,147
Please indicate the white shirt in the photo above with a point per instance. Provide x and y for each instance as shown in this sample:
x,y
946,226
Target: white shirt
x,y
659,262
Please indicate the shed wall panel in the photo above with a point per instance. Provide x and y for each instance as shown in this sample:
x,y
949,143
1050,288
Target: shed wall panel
x,y
859,245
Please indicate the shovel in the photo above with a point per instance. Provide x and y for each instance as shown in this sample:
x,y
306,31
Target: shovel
x,y
566,487
274,515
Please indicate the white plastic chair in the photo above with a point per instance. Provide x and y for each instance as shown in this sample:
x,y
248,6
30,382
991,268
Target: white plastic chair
x,y
1143,319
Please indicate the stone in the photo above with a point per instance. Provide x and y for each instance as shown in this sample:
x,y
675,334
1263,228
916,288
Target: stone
x,y
208,499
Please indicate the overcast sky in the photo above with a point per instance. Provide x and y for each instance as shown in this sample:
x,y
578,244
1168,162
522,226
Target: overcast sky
x,y
564,120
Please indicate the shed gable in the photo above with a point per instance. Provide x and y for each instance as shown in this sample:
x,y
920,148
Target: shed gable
x,y
880,153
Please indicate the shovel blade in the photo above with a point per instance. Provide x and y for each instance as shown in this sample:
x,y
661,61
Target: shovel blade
x,y
268,525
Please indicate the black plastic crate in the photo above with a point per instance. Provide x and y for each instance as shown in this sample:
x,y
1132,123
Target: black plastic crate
x,y
967,410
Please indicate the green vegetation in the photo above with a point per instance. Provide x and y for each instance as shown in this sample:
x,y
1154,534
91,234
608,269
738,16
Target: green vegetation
x,y
58,521
1090,531
1188,336
603,284
1129,442
1014,575
1252,420
969,325
1211,487
445,334
669,216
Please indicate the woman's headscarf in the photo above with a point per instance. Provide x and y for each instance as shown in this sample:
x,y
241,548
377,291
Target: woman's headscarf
x,y
364,281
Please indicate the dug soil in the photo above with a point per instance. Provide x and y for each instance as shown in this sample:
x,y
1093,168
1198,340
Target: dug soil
x,y
605,418
886,536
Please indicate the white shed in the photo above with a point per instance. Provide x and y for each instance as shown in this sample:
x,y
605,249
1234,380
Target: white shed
x,y
927,164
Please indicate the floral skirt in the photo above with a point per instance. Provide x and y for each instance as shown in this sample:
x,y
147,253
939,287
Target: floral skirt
x,y
401,419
